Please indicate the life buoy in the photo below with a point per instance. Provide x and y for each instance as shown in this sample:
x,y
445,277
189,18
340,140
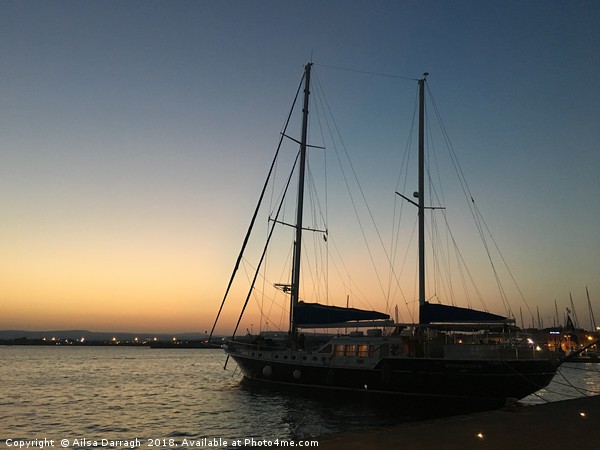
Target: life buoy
x,y
267,371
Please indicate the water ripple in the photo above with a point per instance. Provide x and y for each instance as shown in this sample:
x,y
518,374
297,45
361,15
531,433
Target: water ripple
x,y
123,393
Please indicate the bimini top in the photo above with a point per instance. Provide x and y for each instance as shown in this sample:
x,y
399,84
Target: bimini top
x,y
317,314
435,313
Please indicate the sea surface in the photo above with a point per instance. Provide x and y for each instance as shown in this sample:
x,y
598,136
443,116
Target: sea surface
x,y
184,396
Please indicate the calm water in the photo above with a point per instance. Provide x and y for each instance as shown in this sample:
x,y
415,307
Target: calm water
x,y
126,392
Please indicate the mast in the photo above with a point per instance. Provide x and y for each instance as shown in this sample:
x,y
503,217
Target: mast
x,y
592,319
421,193
522,323
574,312
295,289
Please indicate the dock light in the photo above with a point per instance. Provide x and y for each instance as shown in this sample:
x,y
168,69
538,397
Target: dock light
x,y
538,348
530,341
480,435
582,414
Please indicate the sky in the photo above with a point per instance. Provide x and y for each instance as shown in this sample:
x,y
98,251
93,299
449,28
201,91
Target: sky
x,y
135,137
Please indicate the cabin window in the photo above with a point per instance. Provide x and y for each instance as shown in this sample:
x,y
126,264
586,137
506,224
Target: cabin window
x,y
363,351
350,350
338,350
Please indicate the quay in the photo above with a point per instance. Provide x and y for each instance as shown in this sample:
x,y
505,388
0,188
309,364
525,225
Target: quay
x,y
563,424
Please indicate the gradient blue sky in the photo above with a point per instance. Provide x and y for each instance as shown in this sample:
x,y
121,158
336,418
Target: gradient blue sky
x,y
134,136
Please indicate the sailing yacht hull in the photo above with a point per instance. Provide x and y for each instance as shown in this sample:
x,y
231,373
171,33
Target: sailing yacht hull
x,y
487,381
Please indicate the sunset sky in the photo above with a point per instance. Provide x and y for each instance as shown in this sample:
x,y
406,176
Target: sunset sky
x,y
135,137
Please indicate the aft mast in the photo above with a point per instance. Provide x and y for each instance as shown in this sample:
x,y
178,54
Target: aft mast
x,y
421,193
295,288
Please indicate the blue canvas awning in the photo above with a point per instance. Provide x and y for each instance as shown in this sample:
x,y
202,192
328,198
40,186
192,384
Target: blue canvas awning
x,y
317,314
435,313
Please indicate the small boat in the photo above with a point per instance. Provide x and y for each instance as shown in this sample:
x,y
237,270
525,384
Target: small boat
x,y
452,354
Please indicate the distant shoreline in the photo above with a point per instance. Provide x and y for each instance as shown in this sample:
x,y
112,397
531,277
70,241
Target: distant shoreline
x,y
43,342
86,338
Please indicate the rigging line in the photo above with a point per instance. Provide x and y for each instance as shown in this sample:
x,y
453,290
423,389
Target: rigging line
x,y
364,72
440,198
325,216
354,202
569,384
402,175
335,147
552,391
285,268
477,215
502,257
409,244
468,195
532,383
350,285
251,226
582,391
263,295
264,250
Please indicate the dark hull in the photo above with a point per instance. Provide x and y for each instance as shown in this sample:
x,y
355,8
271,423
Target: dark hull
x,y
490,382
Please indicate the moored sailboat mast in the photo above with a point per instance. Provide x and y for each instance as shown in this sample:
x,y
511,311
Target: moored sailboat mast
x,y
295,288
421,193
